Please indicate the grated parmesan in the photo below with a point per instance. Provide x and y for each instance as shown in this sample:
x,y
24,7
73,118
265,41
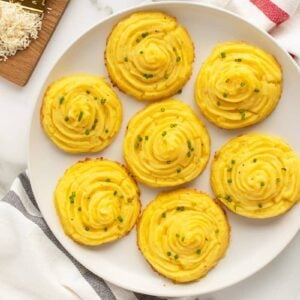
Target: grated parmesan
x,y
17,27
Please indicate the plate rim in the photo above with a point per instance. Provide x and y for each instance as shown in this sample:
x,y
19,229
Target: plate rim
x,y
156,5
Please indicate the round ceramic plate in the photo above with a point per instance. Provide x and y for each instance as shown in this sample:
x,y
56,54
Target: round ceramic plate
x,y
254,243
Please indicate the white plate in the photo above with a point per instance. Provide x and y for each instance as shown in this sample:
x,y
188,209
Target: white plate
x,y
254,243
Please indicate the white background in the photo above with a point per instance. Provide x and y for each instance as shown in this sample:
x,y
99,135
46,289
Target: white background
x,y
279,280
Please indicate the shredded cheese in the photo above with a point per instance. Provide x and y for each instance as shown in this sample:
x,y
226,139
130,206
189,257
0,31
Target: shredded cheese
x,y
17,27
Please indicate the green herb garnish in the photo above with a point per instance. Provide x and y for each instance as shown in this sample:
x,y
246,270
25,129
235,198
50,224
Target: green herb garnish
x,y
120,219
178,170
223,54
61,99
144,34
80,116
198,251
164,133
256,90
103,100
147,75
238,60
178,58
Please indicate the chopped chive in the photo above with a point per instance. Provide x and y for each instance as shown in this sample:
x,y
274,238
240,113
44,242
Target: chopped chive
x,y
188,154
178,170
180,91
198,251
223,54
180,208
260,205
105,228
164,133
243,114
233,161
283,169
88,92
108,180
145,34
277,180
168,162
189,144
238,60
139,138
163,215
166,76
178,58
115,193
147,75
138,40
177,235
228,198
262,184
176,256
87,228
106,130
218,103
72,197
242,84
182,239
61,99
173,125
256,90
66,119
79,208
87,132
229,180
162,109
217,231
229,169
227,80
254,160
141,52
103,100
146,137
120,219
95,98
136,145
126,58
95,123
225,95
169,253
80,116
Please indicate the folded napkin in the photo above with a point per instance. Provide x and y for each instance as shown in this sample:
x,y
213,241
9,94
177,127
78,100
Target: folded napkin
x,y
33,264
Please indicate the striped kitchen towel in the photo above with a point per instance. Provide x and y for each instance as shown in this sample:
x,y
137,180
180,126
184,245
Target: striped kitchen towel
x,y
34,265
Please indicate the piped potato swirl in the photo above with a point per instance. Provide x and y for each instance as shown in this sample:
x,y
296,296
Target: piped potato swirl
x,y
149,55
256,176
238,85
166,144
97,201
183,234
81,113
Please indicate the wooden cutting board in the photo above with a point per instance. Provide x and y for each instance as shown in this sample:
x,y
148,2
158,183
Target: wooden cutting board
x,y
19,68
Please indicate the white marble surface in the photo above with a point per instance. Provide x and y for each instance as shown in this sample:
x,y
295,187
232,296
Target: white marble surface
x,y
279,280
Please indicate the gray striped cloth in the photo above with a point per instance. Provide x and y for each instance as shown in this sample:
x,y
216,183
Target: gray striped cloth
x,y
21,198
